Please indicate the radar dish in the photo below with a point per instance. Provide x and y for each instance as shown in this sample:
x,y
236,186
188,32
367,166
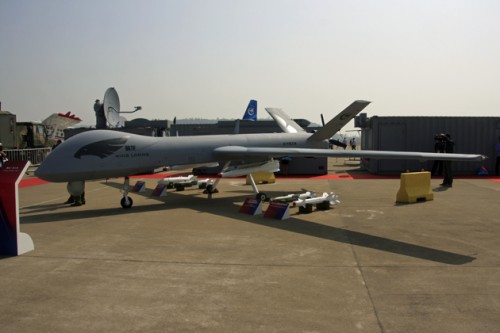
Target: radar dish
x,y
112,108
122,121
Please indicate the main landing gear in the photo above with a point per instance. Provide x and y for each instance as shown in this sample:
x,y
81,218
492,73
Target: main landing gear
x,y
212,188
260,196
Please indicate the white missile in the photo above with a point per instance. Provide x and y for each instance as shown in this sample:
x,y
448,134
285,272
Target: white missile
x,y
188,180
270,166
207,181
326,197
294,196
204,183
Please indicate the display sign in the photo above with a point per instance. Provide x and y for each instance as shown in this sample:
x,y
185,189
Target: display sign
x,y
12,241
251,206
278,210
160,190
140,186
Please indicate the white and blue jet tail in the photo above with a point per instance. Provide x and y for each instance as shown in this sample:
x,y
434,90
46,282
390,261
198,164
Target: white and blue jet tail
x,y
251,111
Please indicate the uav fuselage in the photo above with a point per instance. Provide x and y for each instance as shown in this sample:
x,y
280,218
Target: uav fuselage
x,y
103,154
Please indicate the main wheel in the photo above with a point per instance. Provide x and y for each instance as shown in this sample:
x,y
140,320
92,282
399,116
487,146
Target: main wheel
x,y
126,202
210,189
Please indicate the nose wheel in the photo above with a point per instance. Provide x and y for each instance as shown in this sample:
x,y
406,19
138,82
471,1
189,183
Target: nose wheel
x,y
126,201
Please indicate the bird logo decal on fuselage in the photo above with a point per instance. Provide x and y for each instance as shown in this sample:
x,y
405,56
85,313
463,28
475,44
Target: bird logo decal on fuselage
x,y
102,149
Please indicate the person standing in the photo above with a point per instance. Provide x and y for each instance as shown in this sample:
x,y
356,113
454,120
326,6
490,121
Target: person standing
x,y
73,200
497,150
448,175
30,137
439,147
100,118
3,156
59,141
353,143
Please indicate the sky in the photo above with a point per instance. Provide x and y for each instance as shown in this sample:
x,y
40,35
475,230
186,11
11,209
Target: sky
x,y
208,58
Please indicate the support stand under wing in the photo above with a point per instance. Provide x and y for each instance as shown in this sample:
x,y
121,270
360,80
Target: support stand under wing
x,y
260,196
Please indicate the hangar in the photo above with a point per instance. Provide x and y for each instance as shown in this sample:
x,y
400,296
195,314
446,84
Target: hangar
x,y
471,135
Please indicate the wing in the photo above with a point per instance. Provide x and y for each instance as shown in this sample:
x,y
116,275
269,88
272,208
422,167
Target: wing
x,y
242,152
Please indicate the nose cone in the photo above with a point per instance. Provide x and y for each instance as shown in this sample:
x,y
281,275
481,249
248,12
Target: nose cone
x,y
48,169
58,165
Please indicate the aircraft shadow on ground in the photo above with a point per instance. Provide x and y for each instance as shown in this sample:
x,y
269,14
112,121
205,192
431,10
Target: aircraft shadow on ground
x,y
365,240
195,201
43,208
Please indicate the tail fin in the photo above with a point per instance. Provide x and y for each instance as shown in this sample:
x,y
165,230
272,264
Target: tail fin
x,y
334,125
251,111
57,122
284,121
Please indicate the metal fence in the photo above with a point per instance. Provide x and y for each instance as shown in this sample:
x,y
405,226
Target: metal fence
x,y
35,155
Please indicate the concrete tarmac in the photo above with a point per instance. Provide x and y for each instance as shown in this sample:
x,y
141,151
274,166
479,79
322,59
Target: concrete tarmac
x,y
185,263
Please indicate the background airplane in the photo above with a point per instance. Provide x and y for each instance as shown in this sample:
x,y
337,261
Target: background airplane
x,y
251,111
56,123
101,154
250,114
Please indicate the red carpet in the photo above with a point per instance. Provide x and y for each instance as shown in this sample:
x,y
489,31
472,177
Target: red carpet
x,y
32,181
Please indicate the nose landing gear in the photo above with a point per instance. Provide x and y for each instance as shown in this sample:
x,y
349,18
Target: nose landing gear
x,y
126,201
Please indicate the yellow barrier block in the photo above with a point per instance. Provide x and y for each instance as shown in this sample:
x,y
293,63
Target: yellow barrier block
x,y
415,186
262,178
